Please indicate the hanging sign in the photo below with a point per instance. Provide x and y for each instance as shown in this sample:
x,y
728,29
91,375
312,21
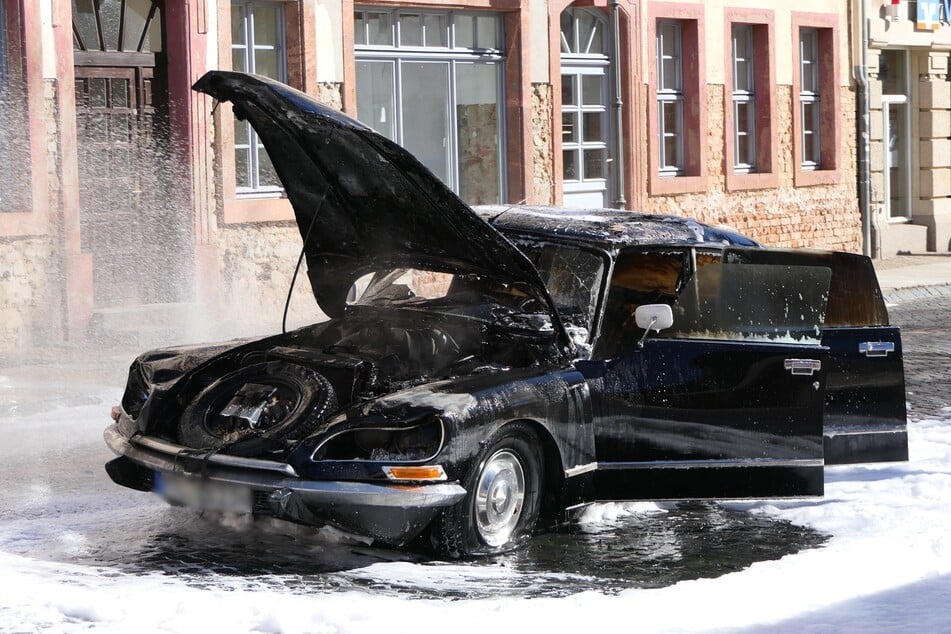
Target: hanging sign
x,y
933,13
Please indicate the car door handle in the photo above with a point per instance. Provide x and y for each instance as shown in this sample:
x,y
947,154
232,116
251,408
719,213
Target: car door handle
x,y
876,348
802,367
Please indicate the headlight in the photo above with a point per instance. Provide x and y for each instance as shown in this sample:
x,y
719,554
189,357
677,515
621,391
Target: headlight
x,y
415,443
136,392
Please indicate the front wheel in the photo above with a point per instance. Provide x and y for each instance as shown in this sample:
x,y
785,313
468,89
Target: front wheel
x,y
503,493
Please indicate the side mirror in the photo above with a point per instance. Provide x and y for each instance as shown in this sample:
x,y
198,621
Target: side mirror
x,y
654,317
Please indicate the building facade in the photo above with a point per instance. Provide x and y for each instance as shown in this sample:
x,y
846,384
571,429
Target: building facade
x,y
126,194
907,46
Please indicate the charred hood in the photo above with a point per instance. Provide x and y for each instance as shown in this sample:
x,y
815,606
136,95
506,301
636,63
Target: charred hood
x,y
361,201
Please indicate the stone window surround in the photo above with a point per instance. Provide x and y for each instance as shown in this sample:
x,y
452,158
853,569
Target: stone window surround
x,y
518,94
694,87
22,29
299,63
830,111
766,175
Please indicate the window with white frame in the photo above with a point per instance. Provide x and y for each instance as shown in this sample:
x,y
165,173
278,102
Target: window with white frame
x,y
744,100
670,97
809,97
257,46
432,82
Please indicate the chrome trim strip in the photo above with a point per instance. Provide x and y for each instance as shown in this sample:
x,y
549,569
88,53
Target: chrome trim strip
x,y
581,469
833,432
173,450
713,464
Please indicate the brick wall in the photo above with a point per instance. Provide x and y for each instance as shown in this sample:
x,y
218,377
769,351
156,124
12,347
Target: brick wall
x,y
819,216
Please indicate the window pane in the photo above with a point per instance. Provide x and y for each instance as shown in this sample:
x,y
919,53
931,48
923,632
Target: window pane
x,y
267,177
109,12
242,166
477,116
239,60
380,27
436,30
411,29
593,127
898,162
266,25
569,127
120,92
267,63
591,90
241,133
84,17
568,90
742,78
464,29
97,93
136,13
376,102
153,39
425,108
670,39
487,32
810,151
568,44
359,28
593,164
569,165
892,71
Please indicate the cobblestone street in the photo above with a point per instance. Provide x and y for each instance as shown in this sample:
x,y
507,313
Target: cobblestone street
x,y
926,341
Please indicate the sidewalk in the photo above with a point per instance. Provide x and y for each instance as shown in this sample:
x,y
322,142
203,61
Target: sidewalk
x,y
911,276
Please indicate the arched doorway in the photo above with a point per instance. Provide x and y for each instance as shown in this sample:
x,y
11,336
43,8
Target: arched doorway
x,y
134,222
585,94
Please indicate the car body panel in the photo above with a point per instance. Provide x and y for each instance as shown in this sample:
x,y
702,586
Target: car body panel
x,y
865,418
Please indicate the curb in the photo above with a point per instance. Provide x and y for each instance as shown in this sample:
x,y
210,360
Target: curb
x,y
917,292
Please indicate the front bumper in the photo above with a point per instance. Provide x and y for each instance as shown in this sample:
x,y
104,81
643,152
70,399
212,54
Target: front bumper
x,y
392,513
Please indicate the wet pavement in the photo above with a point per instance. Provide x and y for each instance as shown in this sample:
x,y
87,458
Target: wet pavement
x,y
57,504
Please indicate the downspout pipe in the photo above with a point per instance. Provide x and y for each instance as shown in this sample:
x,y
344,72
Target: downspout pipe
x,y
619,200
863,130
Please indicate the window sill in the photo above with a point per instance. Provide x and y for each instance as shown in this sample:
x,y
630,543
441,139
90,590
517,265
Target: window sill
x,y
808,178
756,180
666,185
256,208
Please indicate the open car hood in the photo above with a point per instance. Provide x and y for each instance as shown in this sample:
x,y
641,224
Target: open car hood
x,y
362,202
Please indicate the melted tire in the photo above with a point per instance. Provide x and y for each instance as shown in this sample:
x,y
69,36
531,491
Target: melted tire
x,y
456,534
309,399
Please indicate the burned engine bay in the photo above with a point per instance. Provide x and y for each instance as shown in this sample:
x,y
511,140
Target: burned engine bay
x,y
368,352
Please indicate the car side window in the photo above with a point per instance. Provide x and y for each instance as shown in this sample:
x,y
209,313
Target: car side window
x,y
639,278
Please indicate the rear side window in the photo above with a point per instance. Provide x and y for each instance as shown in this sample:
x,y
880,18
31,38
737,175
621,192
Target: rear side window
x,y
855,298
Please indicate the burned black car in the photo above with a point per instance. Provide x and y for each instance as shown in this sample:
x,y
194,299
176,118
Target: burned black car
x,y
483,371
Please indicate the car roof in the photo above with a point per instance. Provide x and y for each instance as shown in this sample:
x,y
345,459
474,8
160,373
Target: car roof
x,y
611,228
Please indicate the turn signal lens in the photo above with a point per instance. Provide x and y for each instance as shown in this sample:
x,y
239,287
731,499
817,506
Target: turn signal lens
x,y
415,473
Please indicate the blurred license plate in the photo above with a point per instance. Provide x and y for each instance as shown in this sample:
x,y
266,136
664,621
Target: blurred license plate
x,y
207,495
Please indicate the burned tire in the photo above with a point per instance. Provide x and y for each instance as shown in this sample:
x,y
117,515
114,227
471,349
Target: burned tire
x,y
502,501
256,409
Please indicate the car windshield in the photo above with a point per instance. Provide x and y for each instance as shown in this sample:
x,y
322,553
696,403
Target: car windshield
x,y
572,276
444,292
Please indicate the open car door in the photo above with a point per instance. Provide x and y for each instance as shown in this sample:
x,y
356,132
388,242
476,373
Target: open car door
x,y
865,386
728,402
